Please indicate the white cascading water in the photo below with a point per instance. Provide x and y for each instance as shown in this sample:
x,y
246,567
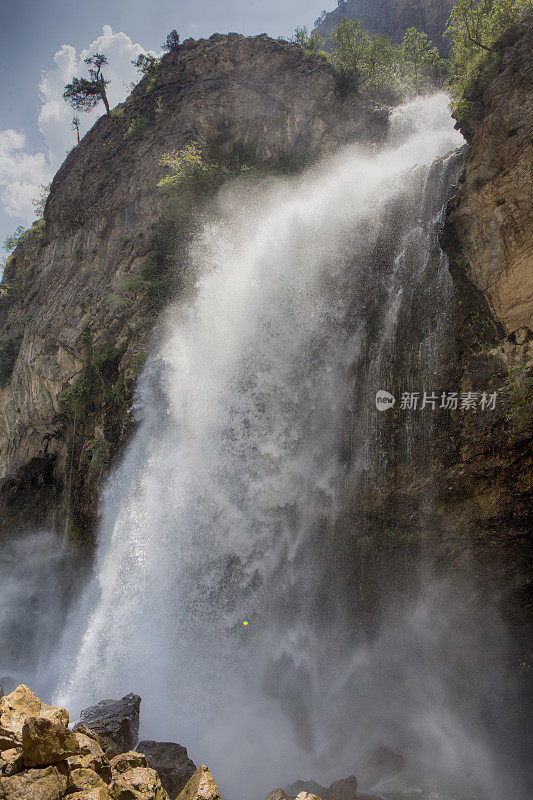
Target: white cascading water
x,y
222,509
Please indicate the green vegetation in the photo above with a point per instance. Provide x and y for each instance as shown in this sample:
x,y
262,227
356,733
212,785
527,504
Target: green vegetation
x,y
189,166
172,42
370,63
84,94
474,27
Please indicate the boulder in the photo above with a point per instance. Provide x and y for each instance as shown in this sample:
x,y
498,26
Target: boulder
x,y
201,786
139,783
345,789
90,756
22,703
171,762
114,720
34,784
279,794
82,780
307,796
46,742
126,761
305,786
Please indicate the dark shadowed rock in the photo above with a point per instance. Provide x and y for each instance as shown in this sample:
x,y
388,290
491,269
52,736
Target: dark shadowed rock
x,y
383,764
172,763
312,787
345,789
114,720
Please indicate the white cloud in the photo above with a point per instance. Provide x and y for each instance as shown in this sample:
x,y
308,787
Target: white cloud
x,y
21,172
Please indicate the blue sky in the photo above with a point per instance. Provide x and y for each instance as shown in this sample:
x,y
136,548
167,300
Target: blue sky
x,y
42,47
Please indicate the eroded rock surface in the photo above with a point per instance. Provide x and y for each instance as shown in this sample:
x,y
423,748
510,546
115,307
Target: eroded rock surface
x,y
171,762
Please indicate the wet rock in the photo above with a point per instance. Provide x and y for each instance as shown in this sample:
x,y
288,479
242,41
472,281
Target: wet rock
x,y
23,703
345,789
139,783
34,784
114,720
83,780
171,762
90,756
201,786
305,786
46,742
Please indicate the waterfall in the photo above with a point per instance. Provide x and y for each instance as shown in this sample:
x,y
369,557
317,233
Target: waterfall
x,y
230,583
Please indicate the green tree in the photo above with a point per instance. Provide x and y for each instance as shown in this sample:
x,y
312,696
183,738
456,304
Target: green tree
x,y
39,202
474,26
172,42
364,59
419,62
313,41
146,64
84,94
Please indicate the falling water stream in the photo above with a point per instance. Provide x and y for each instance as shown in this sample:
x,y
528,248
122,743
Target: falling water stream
x,y
223,589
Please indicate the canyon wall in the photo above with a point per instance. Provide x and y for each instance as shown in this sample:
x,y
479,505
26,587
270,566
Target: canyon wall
x,y
85,287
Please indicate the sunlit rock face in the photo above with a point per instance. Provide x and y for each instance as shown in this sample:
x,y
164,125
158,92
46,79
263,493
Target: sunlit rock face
x,y
254,98
393,17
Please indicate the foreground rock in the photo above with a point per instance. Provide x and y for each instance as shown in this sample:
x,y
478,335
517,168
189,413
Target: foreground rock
x,y
77,765
171,762
115,721
23,703
46,742
201,786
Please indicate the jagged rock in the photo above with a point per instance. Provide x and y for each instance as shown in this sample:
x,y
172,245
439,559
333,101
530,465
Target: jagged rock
x,y
11,761
8,740
171,762
126,761
83,780
116,720
201,786
305,786
139,783
345,789
307,796
90,756
46,742
34,784
22,703
279,794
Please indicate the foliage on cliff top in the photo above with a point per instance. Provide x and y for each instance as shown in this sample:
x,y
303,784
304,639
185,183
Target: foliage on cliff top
x,y
474,27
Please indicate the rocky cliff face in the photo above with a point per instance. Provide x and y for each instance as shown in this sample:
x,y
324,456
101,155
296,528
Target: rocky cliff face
x,y
486,462
393,17
84,290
